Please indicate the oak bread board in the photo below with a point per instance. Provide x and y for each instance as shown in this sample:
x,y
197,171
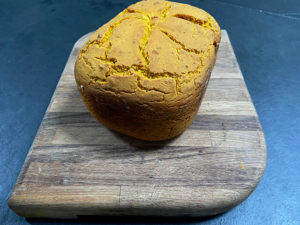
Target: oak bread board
x,y
76,167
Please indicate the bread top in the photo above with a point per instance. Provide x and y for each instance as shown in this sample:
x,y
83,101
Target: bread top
x,y
153,51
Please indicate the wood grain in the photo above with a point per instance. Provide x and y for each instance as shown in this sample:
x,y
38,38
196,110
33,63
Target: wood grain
x,y
77,167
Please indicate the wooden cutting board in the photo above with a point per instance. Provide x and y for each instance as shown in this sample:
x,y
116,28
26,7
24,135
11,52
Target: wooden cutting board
x,y
77,167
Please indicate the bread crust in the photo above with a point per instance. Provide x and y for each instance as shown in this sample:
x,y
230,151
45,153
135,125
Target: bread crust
x,y
145,72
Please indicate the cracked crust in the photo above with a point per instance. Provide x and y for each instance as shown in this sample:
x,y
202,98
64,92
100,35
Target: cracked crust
x,y
144,73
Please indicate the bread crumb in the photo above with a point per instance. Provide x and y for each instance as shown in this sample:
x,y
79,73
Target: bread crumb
x,y
242,165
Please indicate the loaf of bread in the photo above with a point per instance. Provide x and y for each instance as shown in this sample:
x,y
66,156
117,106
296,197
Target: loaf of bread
x,y
145,72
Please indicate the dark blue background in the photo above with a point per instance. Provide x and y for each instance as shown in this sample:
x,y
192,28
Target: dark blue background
x,y
36,38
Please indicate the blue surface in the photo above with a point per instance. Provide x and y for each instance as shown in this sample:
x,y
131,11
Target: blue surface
x,y
36,38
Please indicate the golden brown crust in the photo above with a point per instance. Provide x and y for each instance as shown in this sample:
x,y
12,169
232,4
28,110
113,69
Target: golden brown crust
x,y
145,71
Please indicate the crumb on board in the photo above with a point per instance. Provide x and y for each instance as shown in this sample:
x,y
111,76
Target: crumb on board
x,y
242,165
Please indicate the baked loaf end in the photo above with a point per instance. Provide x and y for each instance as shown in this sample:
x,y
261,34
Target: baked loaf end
x,y
145,72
